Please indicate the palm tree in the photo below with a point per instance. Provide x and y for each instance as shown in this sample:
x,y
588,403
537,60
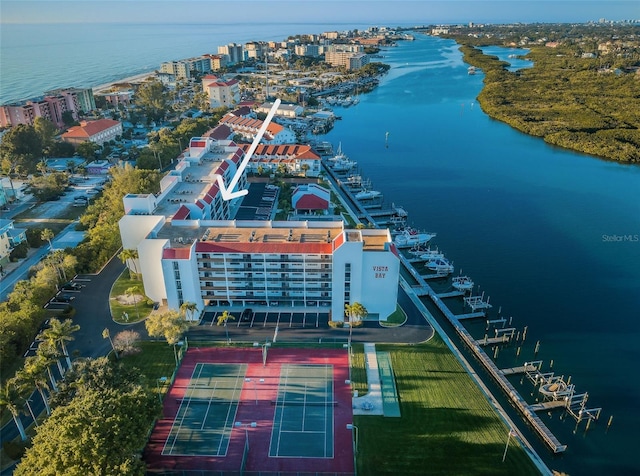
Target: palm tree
x,y
188,308
48,235
51,355
107,335
34,371
12,400
132,292
24,388
128,257
355,312
222,321
59,333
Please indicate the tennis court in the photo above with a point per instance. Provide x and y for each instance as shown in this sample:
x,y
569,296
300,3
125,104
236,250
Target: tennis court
x,y
303,421
205,417
229,411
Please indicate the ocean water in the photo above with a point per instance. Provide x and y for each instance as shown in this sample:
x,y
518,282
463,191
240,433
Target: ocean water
x,y
37,58
548,234
551,236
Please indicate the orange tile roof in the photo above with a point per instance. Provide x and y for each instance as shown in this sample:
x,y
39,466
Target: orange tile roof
x,y
279,151
89,129
277,248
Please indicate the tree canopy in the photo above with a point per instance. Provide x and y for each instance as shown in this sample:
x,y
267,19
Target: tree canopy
x,y
98,428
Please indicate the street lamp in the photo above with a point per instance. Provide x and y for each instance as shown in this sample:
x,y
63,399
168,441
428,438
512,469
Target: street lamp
x,y
246,426
161,380
511,433
255,389
351,426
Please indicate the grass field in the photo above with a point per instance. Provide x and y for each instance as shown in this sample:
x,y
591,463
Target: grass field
x,y
447,426
155,360
136,312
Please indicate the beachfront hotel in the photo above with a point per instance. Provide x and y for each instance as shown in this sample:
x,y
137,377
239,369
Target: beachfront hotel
x,y
191,250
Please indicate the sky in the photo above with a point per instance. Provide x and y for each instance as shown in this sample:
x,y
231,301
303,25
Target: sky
x,y
387,12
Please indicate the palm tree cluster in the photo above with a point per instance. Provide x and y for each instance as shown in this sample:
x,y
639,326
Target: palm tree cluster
x,y
37,373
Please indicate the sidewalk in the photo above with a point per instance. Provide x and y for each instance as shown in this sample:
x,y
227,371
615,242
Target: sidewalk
x,y
371,403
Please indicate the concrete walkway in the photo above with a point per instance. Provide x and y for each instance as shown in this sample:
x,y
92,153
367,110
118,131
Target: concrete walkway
x,y
371,403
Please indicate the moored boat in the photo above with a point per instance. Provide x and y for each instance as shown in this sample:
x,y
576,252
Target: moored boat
x,y
462,283
411,237
440,265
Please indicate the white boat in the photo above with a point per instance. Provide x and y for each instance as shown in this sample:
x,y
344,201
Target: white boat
x,y
367,194
340,162
440,265
431,255
556,389
462,283
411,237
471,70
342,165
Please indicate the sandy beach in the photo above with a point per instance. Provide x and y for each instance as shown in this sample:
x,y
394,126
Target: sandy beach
x,y
138,78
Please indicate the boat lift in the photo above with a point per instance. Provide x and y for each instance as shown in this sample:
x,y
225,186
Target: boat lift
x,y
477,302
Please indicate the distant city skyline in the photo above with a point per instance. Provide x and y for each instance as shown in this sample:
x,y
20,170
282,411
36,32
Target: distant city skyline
x,y
381,12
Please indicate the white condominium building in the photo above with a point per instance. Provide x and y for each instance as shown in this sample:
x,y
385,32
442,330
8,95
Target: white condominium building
x,y
189,250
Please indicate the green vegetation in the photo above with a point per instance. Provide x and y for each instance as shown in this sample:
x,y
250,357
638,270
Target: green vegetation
x,y
127,299
99,423
395,319
447,426
573,97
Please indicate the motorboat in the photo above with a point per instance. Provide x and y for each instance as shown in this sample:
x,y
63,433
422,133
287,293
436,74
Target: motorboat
x,y
555,389
411,237
471,70
431,255
343,165
462,283
440,265
367,194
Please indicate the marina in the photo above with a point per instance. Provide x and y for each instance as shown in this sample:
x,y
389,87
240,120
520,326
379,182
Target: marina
x,y
554,392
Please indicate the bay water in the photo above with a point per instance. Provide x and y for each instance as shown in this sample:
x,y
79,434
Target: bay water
x,y
550,235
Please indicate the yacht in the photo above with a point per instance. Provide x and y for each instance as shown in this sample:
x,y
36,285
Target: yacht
x,y
440,265
411,237
367,194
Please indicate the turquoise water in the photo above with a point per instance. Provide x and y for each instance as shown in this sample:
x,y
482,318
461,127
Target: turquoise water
x,y
550,235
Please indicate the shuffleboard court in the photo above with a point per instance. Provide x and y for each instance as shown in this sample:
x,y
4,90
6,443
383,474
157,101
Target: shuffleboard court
x,y
303,419
205,417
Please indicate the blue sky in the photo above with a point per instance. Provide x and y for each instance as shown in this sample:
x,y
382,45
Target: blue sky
x,y
329,11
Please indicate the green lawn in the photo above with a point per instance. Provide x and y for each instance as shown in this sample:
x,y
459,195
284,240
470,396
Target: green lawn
x,y
136,312
447,426
155,360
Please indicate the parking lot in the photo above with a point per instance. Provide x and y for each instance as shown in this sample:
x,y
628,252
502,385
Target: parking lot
x,y
260,204
271,319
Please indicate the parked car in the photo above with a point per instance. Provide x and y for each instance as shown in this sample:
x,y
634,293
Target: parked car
x,y
71,286
66,298
246,315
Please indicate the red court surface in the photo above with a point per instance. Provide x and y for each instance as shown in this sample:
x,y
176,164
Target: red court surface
x,y
256,405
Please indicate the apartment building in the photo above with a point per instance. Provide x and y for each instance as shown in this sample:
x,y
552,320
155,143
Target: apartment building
x,y
51,107
100,131
296,158
190,250
221,92
351,57
233,52
248,128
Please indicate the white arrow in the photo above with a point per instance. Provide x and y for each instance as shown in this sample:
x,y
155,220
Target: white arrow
x,y
227,193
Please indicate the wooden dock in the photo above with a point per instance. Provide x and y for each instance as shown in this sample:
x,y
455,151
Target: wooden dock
x,y
510,391
503,339
450,295
470,315
518,370
550,405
